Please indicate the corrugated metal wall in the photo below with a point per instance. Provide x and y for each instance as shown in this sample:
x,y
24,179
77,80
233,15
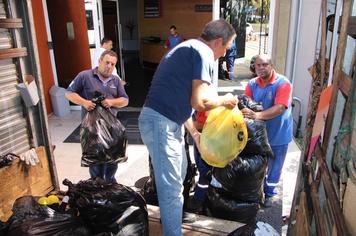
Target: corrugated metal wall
x,y
13,126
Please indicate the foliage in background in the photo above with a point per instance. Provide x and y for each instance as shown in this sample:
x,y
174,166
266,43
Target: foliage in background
x,y
261,10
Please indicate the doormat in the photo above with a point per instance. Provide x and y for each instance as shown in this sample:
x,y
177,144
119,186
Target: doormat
x,y
128,118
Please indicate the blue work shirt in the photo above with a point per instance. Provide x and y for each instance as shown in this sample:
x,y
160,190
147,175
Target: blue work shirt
x,y
171,89
88,81
173,41
278,91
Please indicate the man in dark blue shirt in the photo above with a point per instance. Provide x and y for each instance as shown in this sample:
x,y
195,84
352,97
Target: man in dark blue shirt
x,y
182,82
81,92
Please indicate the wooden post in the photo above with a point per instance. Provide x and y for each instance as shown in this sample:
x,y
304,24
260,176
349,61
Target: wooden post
x,y
337,72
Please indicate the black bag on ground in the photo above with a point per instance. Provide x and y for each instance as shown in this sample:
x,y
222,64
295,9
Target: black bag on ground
x,y
149,191
109,207
30,218
102,136
247,102
223,207
257,141
242,179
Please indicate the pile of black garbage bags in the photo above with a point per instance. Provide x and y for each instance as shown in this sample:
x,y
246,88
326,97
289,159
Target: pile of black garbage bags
x,y
95,208
149,191
236,191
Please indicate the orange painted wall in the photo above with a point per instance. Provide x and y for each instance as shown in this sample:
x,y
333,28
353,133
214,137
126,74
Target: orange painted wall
x,y
180,13
72,56
43,51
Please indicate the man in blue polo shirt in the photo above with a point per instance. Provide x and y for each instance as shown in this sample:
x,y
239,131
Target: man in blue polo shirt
x,y
182,82
274,91
81,92
174,38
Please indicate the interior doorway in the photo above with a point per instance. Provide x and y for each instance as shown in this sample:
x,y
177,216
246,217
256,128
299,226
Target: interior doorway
x,y
250,20
103,20
112,29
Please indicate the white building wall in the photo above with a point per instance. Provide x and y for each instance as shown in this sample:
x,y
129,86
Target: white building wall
x,y
303,57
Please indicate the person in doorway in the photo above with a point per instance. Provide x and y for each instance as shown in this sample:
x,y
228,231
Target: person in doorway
x,y
229,58
81,92
274,91
181,83
105,44
174,38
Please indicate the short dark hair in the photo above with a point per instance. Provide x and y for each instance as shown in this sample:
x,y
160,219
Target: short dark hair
x,y
108,52
173,27
218,29
105,40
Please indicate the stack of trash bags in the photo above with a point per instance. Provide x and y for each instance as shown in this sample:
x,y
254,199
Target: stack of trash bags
x,y
95,207
236,191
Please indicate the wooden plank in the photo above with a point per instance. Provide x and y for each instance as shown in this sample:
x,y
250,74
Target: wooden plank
x,y
337,72
351,28
302,223
12,52
202,226
11,23
18,180
323,43
345,83
319,220
350,206
332,198
318,80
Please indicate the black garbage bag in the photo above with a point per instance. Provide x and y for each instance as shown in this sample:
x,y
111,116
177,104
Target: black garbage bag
x,y
149,191
247,102
102,136
30,218
257,141
109,207
242,179
224,207
3,228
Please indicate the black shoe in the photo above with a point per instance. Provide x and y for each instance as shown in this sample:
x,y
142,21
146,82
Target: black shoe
x,y
188,217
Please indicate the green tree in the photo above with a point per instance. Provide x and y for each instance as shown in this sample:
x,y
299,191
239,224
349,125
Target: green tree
x,y
263,8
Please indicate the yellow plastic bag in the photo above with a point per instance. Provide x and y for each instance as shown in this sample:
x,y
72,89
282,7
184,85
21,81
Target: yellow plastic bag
x,y
224,136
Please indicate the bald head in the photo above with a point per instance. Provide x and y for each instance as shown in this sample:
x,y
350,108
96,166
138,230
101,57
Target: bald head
x,y
264,57
263,66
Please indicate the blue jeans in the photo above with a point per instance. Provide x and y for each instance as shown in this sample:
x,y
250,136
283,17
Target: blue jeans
x,y
165,142
203,183
104,171
230,60
274,169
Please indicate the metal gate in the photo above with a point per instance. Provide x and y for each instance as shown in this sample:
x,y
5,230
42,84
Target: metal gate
x,y
14,135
